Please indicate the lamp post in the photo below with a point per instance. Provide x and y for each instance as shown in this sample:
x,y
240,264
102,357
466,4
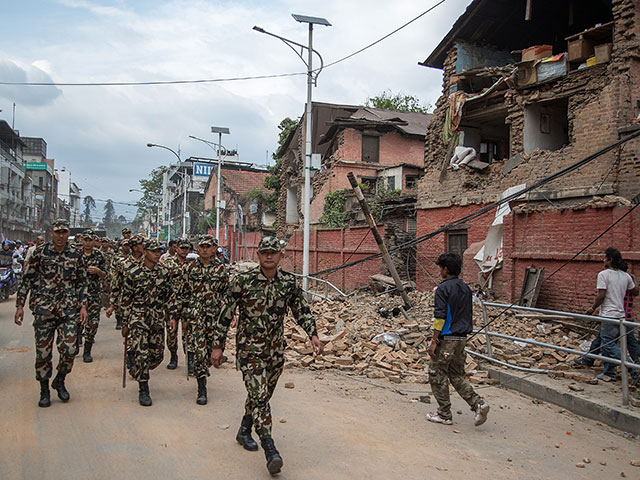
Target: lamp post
x,y
311,80
219,131
184,202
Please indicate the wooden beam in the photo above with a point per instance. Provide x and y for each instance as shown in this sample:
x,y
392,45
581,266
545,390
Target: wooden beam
x,y
528,10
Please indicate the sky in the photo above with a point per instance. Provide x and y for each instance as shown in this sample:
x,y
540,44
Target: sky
x,y
99,133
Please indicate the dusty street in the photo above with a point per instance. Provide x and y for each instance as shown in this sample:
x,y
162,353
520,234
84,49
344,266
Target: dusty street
x,y
329,426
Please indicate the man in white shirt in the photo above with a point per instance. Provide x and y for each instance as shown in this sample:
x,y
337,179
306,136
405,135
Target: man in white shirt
x,y
612,285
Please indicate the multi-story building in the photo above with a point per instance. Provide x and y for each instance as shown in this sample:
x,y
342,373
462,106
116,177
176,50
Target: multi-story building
x,y
69,193
45,184
16,187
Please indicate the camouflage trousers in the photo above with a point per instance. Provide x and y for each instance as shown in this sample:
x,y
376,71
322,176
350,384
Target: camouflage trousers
x,y
93,312
201,332
448,367
147,344
64,329
172,337
260,377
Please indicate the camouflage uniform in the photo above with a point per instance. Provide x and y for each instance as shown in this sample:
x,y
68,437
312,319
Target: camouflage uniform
x,y
121,268
147,298
176,276
260,343
109,258
94,291
58,286
202,295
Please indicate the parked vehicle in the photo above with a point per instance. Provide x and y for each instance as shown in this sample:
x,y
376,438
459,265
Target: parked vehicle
x,y
8,283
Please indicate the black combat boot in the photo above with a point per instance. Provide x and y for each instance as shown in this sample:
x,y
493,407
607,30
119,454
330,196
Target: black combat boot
x,y
58,385
190,363
274,460
143,394
86,356
118,324
202,391
244,437
173,362
45,394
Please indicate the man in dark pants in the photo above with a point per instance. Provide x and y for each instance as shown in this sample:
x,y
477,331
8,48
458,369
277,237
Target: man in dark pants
x,y
453,321
57,281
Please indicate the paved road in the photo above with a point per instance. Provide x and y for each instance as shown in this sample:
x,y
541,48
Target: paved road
x,y
335,428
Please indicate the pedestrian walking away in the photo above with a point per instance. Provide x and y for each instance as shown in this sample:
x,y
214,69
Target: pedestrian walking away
x,y
453,321
56,279
262,297
148,299
612,285
204,284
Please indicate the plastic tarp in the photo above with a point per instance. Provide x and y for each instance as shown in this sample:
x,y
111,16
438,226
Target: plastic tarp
x,y
490,255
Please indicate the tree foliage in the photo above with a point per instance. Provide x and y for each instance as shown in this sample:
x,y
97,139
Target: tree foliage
x,y
89,204
397,101
333,215
152,191
109,214
272,180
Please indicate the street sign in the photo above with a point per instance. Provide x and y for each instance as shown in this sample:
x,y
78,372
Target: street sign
x,y
202,169
37,166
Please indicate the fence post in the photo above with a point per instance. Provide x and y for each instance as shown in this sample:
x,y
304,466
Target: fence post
x,y
623,365
485,320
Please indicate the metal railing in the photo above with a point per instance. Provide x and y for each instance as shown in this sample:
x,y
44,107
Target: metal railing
x,y
622,323
327,285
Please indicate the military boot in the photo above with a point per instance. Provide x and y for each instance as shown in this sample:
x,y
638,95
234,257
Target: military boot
x,y
86,356
143,394
173,362
202,391
244,437
58,385
45,394
274,460
118,324
190,363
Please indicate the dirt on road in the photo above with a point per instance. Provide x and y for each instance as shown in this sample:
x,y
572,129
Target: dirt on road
x,y
329,426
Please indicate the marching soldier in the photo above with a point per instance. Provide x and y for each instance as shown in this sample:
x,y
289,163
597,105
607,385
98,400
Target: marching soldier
x,y
95,264
107,252
147,292
57,281
262,296
120,270
204,284
175,264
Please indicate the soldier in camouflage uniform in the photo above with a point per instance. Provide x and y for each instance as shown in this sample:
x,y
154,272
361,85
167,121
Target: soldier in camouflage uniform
x,y
204,284
149,299
453,321
57,282
120,269
107,252
176,264
263,295
95,265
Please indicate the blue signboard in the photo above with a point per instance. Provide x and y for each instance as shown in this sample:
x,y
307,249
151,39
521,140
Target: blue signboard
x,y
202,169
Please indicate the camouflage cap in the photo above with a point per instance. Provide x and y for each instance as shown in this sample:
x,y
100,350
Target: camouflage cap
x,y
136,240
271,243
126,230
88,232
60,225
208,240
184,243
152,244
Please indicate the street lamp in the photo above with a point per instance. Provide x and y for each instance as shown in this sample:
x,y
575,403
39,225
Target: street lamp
x,y
311,80
184,200
219,131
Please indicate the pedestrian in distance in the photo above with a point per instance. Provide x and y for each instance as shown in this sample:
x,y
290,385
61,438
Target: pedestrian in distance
x,y
612,284
453,321
204,284
149,299
262,297
57,282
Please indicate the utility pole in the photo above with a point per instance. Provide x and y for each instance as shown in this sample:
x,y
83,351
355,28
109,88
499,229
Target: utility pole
x,y
219,131
379,240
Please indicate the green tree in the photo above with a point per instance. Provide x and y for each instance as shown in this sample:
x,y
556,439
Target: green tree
x,y
272,180
397,101
152,188
89,204
333,214
109,214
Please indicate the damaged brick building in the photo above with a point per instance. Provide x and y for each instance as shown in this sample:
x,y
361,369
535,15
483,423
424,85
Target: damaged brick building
x,y
529,88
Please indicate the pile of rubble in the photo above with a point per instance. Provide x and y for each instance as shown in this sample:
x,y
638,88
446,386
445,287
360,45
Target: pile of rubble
x,y
372,337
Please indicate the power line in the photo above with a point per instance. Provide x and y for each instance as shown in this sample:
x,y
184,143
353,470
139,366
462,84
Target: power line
x,y
216,80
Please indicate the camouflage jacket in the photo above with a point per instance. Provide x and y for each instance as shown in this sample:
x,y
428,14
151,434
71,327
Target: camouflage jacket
x,y
262,305
57,281
148,295
120,268
94,282
176,275
203,288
